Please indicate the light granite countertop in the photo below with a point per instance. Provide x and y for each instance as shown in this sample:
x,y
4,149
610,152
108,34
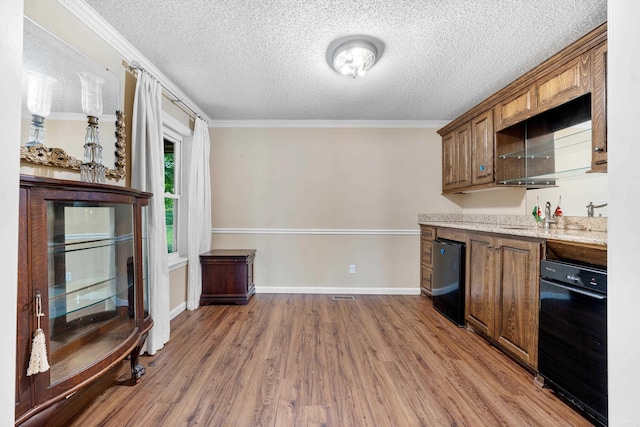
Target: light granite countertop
x,y
571,229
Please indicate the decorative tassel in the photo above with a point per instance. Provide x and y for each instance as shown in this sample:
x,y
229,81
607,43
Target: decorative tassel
x,y
38,361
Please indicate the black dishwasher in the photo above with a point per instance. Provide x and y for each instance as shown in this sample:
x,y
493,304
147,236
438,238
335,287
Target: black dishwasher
x,y
448,279
572,346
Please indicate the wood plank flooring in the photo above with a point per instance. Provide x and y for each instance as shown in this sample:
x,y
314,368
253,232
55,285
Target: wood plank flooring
x,y
309,360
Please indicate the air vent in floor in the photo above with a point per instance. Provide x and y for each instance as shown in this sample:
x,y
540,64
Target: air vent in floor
x,y
344,298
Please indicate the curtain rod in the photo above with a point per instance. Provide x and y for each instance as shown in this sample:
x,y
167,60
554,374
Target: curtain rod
x,y
134,67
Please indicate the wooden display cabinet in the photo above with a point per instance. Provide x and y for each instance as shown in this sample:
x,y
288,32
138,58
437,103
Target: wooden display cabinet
x,y
227,276
83,250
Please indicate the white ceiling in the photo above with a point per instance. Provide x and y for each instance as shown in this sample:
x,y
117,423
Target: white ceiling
x,y
266,59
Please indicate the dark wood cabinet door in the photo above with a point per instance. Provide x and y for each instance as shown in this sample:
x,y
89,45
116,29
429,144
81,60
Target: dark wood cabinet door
x,y
599,109
482,163
456,159
517,289
449,162
515,108
463,137
481,283
564,84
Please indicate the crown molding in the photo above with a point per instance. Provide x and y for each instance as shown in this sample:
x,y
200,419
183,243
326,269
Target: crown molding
x,y
391,124
93,20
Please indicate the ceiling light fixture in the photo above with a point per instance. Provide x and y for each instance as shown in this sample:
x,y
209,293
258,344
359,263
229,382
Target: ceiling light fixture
x,y
355,55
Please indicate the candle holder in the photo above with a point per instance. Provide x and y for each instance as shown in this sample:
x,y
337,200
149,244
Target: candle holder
x,y
92,169
39,90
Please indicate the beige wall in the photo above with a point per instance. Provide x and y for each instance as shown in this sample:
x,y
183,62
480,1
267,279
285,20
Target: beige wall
x,y
178,290
496,201
313,201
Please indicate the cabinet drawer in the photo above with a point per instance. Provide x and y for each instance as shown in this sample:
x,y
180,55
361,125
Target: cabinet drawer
x,y
425,279
426,252
427,232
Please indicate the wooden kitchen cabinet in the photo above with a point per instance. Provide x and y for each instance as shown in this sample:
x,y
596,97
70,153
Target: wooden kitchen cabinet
x,y
516,108
568,82
599,109
502,293
516,298
456,162
482,143
578,71
467,155
480,290
427,235
561,85
227,276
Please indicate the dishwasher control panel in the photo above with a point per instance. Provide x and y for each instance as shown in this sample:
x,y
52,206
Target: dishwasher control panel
x,y
584,276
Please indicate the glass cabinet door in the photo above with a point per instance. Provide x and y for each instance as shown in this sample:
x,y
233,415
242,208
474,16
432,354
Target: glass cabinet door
x,y
91,282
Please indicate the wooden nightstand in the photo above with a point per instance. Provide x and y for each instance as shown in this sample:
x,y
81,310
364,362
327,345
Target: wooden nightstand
x,y
227,276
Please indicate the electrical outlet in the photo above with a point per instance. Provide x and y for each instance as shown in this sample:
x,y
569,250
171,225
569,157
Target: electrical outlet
x,y
352,269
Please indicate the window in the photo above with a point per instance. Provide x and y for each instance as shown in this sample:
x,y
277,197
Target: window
x,y
171,191
174,133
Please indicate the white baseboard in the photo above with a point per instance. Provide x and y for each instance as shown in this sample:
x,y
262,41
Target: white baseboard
x,y
179,309
339,290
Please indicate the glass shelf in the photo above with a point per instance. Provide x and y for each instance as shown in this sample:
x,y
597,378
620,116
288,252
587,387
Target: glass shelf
x,y
63,302
544,149
546,180
93,243
566,144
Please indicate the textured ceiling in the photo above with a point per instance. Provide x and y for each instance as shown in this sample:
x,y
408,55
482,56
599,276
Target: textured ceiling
x,y
266,59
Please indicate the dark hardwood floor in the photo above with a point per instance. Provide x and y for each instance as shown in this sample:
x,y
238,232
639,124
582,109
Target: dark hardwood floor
x,y
308,360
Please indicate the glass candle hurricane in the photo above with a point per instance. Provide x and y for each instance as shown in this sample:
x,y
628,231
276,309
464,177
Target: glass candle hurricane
x,y
92,169
39,92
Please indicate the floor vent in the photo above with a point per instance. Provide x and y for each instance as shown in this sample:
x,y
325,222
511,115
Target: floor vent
x,y
344,298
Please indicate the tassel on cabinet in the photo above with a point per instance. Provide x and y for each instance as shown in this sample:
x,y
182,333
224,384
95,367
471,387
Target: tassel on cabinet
x,y
38,360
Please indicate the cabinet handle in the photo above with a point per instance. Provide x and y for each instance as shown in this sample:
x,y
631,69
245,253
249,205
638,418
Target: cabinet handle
x,y
490,247
598,150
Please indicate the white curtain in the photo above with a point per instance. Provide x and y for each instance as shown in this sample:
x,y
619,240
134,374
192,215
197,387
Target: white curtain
x,y
196,208
147,166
